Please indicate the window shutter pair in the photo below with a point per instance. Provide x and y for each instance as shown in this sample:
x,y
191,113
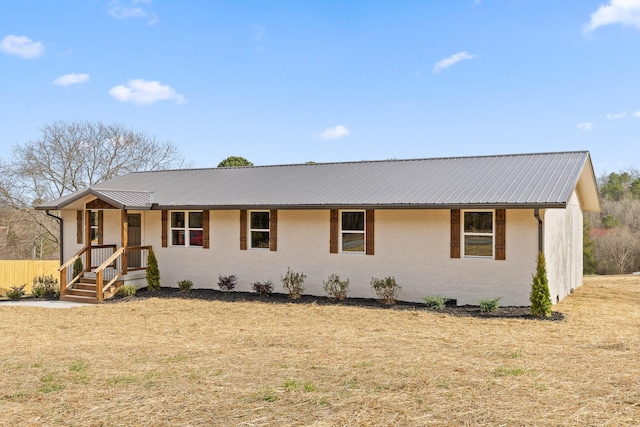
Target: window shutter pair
x,y
500,234
205,229
334,231
273,230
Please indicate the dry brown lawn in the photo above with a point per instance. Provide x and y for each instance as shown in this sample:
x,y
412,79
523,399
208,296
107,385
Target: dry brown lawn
x,y
180,362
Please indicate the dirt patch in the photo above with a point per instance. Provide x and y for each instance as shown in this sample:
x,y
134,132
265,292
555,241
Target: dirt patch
x,y
508,312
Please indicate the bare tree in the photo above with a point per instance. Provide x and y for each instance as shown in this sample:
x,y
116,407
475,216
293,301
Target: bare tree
x,y
72,155
618,251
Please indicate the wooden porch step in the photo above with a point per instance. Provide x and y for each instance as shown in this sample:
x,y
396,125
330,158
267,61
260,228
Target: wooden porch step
x,y
82,292
77,298
86,286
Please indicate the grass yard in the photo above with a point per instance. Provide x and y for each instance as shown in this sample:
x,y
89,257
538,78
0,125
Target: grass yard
x,y
179,362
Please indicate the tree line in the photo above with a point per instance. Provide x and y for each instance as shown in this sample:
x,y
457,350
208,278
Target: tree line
x,y
612,236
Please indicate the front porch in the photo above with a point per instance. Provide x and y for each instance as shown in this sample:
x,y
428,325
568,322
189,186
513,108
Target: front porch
x,y
98,270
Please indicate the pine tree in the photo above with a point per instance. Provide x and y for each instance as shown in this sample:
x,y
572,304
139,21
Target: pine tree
x,y
153,273
540,297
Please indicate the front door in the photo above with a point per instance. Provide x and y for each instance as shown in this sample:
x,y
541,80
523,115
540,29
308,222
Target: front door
x,y
134,237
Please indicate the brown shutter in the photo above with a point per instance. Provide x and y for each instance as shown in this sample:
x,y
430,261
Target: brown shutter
x,y
455,233
333,232
164,224
369,231
273,230
100,229
205,229
79,220
243,230
501,229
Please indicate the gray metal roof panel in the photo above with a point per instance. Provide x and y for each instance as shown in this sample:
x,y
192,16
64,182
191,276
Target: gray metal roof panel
x,y
542,179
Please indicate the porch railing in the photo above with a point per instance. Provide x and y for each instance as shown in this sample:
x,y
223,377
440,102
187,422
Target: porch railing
x,y
99,254
107,263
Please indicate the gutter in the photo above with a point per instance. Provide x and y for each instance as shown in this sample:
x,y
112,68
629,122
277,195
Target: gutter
x,y
536,213
59,219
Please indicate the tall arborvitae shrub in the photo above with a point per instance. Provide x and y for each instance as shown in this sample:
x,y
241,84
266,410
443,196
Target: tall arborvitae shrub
x,y
77,267
153,273
588,249
540,298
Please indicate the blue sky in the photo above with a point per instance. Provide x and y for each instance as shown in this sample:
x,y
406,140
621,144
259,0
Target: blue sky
x,y
293,81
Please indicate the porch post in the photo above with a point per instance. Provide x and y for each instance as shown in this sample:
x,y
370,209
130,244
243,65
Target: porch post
x,y
87,239
124,240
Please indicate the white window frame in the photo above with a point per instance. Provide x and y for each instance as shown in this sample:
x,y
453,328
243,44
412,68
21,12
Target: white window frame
x,y
464,233
342,232
261,230
186,228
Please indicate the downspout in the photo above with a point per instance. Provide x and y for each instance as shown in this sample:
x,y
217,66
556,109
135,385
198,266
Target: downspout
x,y
536,213
59,219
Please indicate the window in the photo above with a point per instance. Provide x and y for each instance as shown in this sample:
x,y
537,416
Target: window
x,y
259,229
352,231
186,228
478,234
93,223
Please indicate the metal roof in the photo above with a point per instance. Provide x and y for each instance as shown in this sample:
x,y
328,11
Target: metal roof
x,y
516,180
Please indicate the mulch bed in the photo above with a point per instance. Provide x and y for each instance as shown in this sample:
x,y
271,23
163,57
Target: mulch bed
x,y
509,312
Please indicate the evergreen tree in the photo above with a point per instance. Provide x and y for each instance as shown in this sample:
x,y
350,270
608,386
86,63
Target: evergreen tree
x,y
77,267
540,298
153,273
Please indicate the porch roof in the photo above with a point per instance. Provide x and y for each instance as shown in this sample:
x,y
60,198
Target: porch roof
x,y
544,180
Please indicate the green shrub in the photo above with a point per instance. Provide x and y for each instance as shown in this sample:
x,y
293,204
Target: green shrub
x,y
540,298
77,267
263,288
153,272
386,289
45,286
335,288
16,292
293,283
436,302
127,290
489,305
185,285
227,283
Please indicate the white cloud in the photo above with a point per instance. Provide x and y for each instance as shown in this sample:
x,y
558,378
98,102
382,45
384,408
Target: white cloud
x,y
141,91
585,126
334,132
624,12
71,79
21,46
136,9
617,116
636,114
453,59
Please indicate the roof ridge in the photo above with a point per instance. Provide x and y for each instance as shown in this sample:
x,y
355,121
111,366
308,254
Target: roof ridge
x,y
392,160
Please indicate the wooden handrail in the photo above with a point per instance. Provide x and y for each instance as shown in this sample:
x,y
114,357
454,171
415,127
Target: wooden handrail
x,y
110,260
73,258
99,285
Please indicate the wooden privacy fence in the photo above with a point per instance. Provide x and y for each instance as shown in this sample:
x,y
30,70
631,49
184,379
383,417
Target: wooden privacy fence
x,y
19,272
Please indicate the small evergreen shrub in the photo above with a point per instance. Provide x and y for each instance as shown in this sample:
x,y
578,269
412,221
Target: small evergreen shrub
x,y
386,289
77,267
153,272
436,302
227,283
185,285
263,288
16,292
127,290
293,283
335,288
45,287
489,305
540,297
